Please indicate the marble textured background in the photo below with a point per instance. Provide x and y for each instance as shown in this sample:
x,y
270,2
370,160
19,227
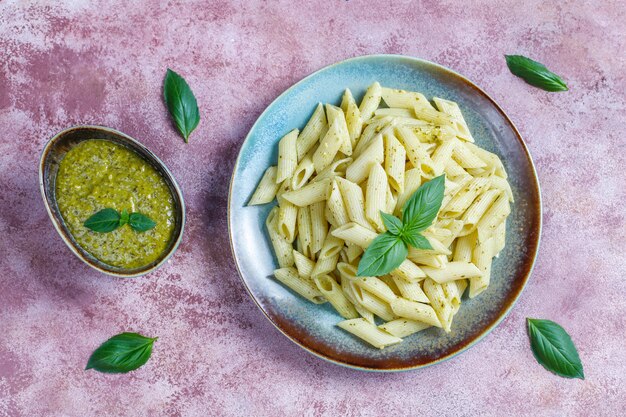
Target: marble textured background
x,y
64,63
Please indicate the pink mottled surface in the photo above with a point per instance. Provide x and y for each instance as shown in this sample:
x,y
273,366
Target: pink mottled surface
x,y
64,63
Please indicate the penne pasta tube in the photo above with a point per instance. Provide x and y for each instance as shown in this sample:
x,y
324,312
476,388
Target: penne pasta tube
x,y
282,247
482,257
305,236
492,218
287,156
415,311
376,196
335,114
368,332
376,287
410,290
395,157
329,145
443,309
360,168
370,101
354,201
302,173
477,210
403,327
372,303
334,295
304,265
452,272
311,132
309,194
334,203
353,116
302,286
319,226
266,190
286,221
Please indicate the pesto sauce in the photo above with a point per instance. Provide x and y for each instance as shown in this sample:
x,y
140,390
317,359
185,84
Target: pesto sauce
x,y
98,174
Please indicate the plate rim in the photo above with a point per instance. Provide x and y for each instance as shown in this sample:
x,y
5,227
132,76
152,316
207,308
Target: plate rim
x,y
526,277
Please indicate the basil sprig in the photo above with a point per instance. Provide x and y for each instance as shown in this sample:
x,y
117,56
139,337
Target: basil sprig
x,y
181,103
390,249
535,73
122,353
553,348
108,219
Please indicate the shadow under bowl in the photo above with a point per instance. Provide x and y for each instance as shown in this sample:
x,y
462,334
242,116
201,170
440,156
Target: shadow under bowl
x,y
51,157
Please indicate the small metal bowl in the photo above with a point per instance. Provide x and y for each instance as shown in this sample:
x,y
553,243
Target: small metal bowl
x,y
53,153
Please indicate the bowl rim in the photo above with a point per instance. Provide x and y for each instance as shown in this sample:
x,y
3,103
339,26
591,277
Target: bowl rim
x,y
61,229
511,300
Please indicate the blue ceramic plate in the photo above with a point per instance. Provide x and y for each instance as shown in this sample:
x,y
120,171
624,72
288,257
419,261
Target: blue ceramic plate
x,y
313,326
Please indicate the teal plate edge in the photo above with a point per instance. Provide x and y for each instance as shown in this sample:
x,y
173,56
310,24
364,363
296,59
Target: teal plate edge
x,y
312,326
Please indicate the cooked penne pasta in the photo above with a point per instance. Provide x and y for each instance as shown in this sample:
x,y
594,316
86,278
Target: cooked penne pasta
x,y
287,156
440,304
353,201
309,194
395,157
403,327
305,235
334,295
372,303
410,290
304,265
415,311
351,163
482,257
353,116
282,247
452,271
492,218
303,286
370,101
311,132
368,332
360,168
286,222
376,196
302,173
319,226
267,188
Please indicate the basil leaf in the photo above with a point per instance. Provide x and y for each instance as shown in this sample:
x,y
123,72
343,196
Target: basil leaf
x,y
122,353
421,209
140,222
104,221
553,348
416,240
392,223
535,73
124,217
382,256
181,103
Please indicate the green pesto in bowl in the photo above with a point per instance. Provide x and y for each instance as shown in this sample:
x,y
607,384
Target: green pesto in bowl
x,y
97,174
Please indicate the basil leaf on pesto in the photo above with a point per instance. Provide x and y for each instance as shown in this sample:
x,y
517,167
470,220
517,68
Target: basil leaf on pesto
x,y
181,103
122,353
104,221
140,222
535,73
124,216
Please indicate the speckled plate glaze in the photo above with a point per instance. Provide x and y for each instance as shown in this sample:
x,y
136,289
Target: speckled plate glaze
x,y
313,326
